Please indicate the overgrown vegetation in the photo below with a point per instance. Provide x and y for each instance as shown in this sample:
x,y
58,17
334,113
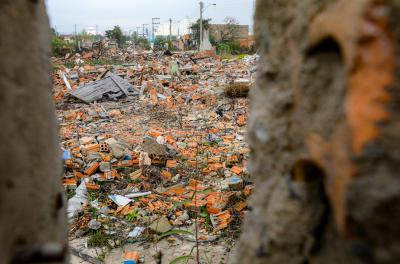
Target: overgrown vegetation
x,y
196,28
116,33
160,42
70,193
132,216
98,239
141,41
230,31
58,44
229,48
101,257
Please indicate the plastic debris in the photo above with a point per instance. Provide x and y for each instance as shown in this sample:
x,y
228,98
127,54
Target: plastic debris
x,y
78,200
120,200
136,232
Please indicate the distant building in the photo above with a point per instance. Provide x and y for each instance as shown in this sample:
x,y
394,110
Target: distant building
x,y
178,28
68,38
91,31
247,43
219,31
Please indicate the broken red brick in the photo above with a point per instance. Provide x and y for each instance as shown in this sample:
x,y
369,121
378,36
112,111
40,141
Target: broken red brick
x,y
92,168
248,189
178,190
171,163
241,121
236,170
123,164
92,147
92,186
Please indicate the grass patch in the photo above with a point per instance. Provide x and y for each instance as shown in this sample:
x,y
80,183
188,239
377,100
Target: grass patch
x,y
204,214
98,239
55,67
92,195
132,216
102,257
69,64
93,212
70,193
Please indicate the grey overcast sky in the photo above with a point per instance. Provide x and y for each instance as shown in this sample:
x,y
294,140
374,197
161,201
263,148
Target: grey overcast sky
x,y
129,14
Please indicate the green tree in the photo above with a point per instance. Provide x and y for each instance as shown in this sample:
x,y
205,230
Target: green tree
x,y
230,31
57,43
116,33
85,36
196,28
141,41
54,32
160,41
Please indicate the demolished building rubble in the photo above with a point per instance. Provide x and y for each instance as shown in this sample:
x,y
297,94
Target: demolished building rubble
x,y
154,144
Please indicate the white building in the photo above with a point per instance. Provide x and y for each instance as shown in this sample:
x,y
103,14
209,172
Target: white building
x,y
178,28
91,31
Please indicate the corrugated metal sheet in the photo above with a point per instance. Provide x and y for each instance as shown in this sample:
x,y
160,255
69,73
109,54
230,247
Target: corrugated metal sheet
x,y
110,87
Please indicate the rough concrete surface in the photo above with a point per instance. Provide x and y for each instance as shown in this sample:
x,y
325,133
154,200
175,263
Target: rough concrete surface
x,y
32,222
323,131
209,253
323,112
77,260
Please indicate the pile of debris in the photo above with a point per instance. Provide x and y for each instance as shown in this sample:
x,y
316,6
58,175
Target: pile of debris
x,y
154,147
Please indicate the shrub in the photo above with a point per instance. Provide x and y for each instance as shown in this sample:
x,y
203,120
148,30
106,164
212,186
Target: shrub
x,y
229,47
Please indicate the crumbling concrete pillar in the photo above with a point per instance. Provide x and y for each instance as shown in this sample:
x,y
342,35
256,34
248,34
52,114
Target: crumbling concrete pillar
x,y
324,134
32,215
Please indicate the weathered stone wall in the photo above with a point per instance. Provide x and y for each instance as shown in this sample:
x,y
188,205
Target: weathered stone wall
x,y
239,32
32,216
324,136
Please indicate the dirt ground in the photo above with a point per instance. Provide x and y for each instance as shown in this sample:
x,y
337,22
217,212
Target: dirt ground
x,y
209,253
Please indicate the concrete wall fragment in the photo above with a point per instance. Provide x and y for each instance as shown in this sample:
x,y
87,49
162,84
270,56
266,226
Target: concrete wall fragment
x,y
322,134
32,212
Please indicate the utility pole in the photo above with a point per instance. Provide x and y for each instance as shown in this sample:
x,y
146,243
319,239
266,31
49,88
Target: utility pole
x,y
97,32
76,39
201,23
144,27
154,21
170,29
170,33
201,20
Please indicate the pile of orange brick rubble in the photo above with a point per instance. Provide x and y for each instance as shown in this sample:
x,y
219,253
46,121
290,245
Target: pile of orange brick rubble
x,y
169,153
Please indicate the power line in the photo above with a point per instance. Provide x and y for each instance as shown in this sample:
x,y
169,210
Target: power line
x,y
154,22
